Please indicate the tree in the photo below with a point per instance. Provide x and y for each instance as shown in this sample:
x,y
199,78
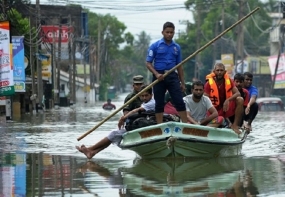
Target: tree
x,y
112,35
140,49
7,5
20,27
256,32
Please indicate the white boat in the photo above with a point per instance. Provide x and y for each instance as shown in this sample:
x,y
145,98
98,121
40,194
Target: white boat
x,y
176,139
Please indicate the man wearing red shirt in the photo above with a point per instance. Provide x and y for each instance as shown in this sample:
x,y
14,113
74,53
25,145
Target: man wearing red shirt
x,y
239,83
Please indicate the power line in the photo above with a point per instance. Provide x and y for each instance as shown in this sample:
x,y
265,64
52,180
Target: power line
x,y
256,25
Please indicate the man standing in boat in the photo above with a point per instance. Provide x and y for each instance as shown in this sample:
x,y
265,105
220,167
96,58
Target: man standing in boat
x,y
138,81
115,136
252,107
224,95
162,56
198,105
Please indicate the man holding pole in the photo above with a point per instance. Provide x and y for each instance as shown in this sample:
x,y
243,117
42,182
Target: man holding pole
x,y
116,136
162,56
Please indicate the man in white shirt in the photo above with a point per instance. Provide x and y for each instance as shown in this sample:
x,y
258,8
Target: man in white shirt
x,y
115,136
200,109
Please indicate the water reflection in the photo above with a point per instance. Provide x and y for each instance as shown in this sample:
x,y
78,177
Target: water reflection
x,y
13,174
182,178
53,175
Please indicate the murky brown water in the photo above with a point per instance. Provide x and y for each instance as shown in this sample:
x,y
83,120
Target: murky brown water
x,y
38,158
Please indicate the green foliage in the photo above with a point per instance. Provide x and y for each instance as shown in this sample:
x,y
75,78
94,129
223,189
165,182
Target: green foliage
x,y
19,26
118,63
210,12
103,91
103,88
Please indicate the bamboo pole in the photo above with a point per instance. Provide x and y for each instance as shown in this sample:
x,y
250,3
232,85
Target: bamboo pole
x,y
167,73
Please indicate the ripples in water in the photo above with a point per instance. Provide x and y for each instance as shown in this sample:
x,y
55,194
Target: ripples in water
x,y
53,167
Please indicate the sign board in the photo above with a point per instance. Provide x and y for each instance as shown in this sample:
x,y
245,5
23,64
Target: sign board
x,y
50,38
6,65
280,74
20,86
50,33
18,58
228,61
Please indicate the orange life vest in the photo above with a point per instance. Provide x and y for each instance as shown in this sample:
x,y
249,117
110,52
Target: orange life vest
x,y
214,93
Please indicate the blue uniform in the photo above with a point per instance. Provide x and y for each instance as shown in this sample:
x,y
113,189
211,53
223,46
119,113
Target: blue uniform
x,y
164,57
252,91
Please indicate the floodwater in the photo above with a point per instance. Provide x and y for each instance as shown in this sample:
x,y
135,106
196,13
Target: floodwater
x,y
38,158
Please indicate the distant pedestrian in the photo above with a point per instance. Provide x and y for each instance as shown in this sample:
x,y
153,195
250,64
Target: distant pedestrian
x,y
108,105
116,136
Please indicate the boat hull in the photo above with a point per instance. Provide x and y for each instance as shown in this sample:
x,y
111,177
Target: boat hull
x,y
174,139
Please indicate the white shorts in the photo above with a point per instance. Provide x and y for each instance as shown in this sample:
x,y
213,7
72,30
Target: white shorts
x,y
116,136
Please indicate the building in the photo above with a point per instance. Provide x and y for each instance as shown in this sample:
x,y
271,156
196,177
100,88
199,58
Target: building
x,y
69,20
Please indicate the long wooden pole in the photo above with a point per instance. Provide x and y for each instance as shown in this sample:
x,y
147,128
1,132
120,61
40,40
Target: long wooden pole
x,y
171,70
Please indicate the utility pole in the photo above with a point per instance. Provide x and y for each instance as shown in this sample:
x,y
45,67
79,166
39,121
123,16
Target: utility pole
x,y
198,33
92,69
32,70
74,71
70,70
59,60
55,89
215,45
223,25
84,65
39,65
240,36
281,45
91,63
98,53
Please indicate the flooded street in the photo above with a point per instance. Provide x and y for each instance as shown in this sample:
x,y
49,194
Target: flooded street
x,y
38,158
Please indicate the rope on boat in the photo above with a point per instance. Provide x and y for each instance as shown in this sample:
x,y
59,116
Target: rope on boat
x,y
170,142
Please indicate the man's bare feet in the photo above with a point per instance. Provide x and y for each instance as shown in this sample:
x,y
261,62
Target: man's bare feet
x,y
235,128
80,148
89,153
247,127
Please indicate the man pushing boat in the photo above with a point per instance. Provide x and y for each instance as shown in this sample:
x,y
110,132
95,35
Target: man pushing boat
x,y
115,136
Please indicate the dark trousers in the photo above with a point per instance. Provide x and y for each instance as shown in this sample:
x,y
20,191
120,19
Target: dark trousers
x,y
252,112
171,83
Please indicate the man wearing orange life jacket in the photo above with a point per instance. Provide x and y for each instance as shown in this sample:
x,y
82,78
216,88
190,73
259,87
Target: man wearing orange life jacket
x,y
224,95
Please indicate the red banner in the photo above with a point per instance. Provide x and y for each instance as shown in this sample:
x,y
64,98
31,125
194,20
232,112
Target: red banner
x,y
51,33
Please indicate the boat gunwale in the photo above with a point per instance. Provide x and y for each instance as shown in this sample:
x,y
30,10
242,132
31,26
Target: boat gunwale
x,y
184,139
